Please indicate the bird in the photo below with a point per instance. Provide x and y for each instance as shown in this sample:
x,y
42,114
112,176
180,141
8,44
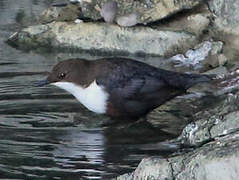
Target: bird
x,y
121,88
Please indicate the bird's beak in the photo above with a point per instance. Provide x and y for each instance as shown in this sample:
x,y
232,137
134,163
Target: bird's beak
x,y
42,83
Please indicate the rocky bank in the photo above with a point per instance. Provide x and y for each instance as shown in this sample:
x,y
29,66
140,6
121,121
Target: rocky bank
x,y
191,36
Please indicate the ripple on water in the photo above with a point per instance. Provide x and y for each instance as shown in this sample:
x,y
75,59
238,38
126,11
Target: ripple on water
x,y
41,131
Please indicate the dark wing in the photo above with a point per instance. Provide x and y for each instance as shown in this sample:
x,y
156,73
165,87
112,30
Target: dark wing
x,y
131,85
135,88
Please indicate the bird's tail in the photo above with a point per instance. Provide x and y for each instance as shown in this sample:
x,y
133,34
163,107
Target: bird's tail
x,y
193,79
185,81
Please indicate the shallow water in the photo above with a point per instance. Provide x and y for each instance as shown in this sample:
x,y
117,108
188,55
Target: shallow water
x,y
41,134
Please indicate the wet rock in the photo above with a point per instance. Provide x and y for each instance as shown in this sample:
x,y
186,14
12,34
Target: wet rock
x,y
213,122
150,168
104,38
217,159
174,115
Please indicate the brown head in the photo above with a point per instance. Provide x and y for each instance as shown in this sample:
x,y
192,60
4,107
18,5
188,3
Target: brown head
x,y
72,70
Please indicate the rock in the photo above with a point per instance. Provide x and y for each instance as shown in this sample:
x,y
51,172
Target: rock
x,y
225,25
108,11
69,13
222,59
146,170
148,11
193,57
104,38
128,12
49,15
127,20
226,125
174,115
219,70
217,159
161,9
214,58
203,57
197,23
214,121
214,133
227,17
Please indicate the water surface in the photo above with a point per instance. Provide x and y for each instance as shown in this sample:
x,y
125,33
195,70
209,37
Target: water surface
x,y
41,134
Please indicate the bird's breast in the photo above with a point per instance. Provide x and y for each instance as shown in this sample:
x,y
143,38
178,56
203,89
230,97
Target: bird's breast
x,y
94,97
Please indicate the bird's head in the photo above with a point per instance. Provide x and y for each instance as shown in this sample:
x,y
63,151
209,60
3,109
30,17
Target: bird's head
x,y
72,71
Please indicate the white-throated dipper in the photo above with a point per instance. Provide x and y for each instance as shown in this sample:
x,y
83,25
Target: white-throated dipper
x,y
120,87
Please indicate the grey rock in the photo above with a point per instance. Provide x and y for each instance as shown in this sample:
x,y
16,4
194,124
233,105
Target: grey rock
x,y
219,70
69,13
127,20
105,38
214,131
49,15
38,29
153,168
215,121
108,11
148,11
226,12
202,57
215,160
226,125
222,59
225,25
197,23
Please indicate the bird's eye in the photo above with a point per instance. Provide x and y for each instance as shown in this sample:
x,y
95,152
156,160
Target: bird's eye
x,y
62,75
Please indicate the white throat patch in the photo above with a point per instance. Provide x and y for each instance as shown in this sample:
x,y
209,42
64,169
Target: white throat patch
x,y
93,97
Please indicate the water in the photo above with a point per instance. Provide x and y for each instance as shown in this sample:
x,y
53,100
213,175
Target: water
x,y
41,131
